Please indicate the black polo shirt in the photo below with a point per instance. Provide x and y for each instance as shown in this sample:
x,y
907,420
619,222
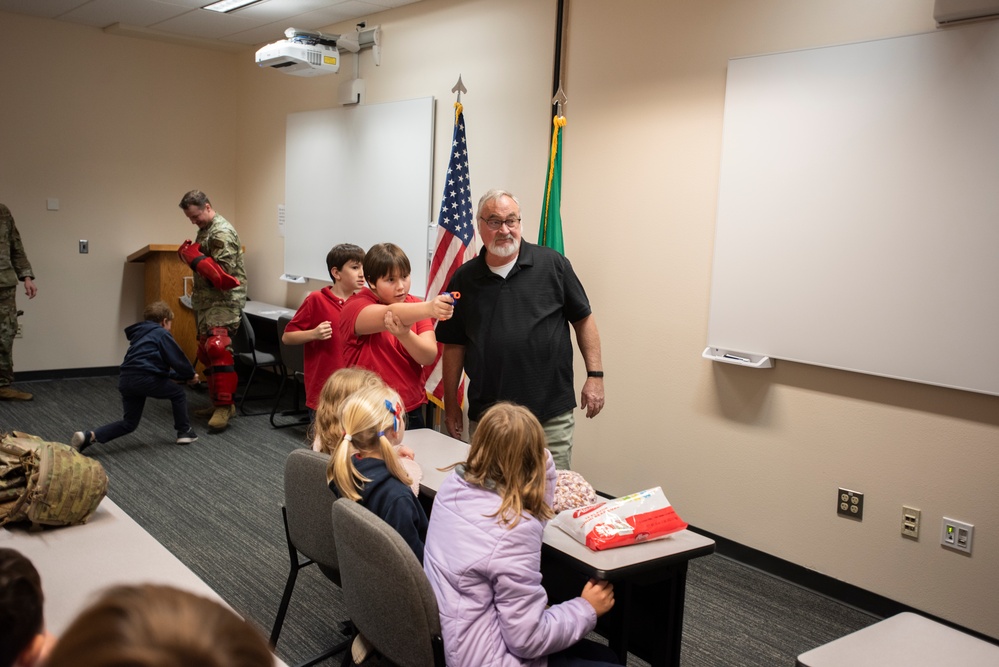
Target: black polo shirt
x,y
516,331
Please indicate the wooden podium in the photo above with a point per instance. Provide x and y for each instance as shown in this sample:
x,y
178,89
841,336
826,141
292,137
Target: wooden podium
x,y
165,273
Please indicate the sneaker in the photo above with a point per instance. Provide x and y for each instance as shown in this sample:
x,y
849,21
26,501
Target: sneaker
x,y
81,440
10,394
186,437
360,649
220,418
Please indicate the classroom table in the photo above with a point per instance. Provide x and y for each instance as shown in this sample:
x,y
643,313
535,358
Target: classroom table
x,y
78,562
903,640
649,579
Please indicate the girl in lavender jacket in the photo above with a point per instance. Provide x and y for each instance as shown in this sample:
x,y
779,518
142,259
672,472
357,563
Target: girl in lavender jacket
x,y
483,555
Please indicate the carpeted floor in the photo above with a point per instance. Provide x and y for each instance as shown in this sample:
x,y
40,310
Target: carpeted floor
x,y
216,505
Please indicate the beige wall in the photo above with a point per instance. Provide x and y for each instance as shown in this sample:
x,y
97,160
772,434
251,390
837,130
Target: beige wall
x,y
755,456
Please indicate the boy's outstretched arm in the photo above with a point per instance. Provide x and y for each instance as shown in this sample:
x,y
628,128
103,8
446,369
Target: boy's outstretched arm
x,y
371,319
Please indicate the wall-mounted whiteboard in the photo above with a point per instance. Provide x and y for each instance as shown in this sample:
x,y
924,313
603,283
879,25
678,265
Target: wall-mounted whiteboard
x,y
858,211
361,175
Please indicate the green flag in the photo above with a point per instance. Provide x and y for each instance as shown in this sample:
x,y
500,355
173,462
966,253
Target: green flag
x,y
550,233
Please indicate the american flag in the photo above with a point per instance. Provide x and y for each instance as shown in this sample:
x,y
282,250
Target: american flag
x,y
455,236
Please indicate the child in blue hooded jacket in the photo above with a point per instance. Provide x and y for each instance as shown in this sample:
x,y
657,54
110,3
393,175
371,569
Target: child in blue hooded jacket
x,y
153,367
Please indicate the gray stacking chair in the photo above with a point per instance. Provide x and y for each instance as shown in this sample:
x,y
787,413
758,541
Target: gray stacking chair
x,y
293,359
308,530
388,596
244,347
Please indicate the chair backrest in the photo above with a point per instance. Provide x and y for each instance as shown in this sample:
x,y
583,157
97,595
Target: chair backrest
x,y
244,341
308,502
292,356
388,596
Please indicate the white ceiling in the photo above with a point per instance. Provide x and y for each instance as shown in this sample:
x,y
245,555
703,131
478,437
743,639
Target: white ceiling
x,y
257,24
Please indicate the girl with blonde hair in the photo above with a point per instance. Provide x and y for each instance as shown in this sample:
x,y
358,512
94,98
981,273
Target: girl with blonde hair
x,y
339,385
365,466
483,555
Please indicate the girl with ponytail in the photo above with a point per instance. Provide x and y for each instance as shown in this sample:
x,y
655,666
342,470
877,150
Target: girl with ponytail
x,y
365,466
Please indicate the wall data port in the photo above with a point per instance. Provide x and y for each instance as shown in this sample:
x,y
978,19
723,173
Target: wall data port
x,y
957,535
910,522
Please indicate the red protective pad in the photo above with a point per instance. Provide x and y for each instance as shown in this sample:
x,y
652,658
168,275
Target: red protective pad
x,y
206,267
216,348
221,374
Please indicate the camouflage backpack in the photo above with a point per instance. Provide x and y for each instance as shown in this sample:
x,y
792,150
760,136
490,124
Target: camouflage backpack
x,y
47,483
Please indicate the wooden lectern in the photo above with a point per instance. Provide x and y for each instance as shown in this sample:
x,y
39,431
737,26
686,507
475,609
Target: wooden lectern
x,y
165,273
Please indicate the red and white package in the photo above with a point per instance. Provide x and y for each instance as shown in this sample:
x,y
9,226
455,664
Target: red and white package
x,y
638,517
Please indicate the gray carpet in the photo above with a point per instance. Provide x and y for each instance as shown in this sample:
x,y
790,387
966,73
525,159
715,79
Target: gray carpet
x,y
216,505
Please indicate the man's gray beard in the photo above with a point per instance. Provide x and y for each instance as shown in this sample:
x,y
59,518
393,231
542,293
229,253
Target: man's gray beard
x,y
506,250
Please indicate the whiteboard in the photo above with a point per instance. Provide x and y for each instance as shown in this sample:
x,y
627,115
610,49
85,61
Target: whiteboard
x,y
858,209
362,175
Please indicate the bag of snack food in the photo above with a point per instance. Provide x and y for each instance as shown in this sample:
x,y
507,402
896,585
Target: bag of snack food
x,y
638,517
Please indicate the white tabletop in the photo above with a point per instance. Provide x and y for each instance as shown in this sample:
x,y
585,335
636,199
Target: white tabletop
x,y
76,563
267,310
435,450
905,640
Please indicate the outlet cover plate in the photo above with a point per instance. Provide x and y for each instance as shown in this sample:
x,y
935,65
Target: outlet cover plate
x,y
850,504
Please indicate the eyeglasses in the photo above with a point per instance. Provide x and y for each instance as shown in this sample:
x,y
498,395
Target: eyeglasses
x,y
496,223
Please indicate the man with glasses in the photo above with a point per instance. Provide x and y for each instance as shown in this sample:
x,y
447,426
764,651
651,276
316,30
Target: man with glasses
x,y
510,331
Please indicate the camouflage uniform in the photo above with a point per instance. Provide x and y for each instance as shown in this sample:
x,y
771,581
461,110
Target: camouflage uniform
x,y
215,310
14,266
212,307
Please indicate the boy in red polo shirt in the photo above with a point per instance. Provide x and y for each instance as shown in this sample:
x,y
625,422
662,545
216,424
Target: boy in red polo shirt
x,y
387,330
316,324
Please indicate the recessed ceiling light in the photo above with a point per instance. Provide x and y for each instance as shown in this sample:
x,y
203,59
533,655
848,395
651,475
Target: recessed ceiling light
x,y
225,6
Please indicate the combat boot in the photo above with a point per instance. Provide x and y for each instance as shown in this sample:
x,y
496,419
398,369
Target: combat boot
x,y
205,412
10,394
220,418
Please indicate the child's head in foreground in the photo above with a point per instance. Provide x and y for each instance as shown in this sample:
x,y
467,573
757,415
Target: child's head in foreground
x,y
22,625
508,454
151,625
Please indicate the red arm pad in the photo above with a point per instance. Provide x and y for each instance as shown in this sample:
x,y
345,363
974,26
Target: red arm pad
x,y
206,267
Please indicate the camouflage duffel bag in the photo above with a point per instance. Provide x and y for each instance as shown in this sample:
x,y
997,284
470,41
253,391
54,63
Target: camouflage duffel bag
x,y
47,483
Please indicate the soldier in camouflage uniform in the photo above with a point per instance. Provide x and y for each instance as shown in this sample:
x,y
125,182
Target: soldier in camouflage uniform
x,y
14,266
218,298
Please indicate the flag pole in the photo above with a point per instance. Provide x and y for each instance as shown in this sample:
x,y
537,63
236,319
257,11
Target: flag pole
x,y
455,243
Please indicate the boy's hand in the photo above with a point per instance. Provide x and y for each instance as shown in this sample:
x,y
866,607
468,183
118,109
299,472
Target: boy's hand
x,y
394,325
194,381
442,307
323,332
600,595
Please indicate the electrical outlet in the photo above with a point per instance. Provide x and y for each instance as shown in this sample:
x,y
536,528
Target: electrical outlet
x,y
910,522
84,247
20,331
850,503
957,535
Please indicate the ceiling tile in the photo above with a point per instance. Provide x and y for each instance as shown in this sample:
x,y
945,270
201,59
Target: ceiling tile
x,y
103,13
49,9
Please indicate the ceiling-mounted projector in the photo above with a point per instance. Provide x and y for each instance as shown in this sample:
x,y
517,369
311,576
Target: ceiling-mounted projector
x,y
304,53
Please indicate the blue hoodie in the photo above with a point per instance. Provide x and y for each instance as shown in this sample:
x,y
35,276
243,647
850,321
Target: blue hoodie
x,y
153,351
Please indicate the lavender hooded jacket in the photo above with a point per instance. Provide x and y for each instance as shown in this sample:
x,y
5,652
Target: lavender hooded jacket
x,y
487,578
